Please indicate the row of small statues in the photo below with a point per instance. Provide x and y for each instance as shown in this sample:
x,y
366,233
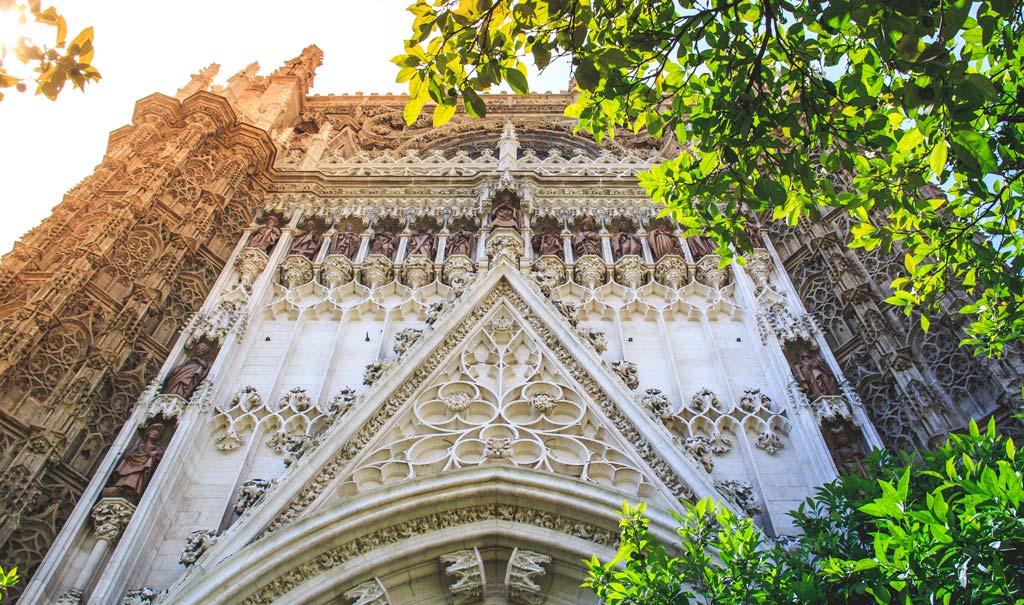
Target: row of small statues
x,y
385,242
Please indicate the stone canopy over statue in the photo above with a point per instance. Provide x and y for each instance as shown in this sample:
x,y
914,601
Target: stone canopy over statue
x,y
135,469
185,378
505,213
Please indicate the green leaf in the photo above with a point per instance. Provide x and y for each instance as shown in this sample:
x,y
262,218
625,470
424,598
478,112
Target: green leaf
x,y
444,112
475,106
977,146
586,75
937,158
517,81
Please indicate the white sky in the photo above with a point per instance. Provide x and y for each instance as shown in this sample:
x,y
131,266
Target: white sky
x,y
146,47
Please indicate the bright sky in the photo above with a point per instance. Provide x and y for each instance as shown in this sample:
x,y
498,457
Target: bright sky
x,y
146,47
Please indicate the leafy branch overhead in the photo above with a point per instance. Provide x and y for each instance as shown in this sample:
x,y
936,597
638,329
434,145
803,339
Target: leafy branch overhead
x,y
53,66
907,116
939,527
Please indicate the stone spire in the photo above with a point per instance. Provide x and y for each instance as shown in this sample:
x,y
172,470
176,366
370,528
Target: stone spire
x,y
200,81
302,67
508,147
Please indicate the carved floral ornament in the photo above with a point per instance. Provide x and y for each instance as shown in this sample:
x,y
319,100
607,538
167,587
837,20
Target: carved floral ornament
x,y
500,401
504,412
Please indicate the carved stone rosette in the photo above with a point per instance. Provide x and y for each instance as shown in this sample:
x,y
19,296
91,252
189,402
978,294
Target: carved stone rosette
x,y
670,270
417,271
630,271
250,493
296,270
504,241
596,338
377,270
110,516
197,543
458,272
141,596
336,270
709,273
741,493
250,263
405,339
590,271
627,371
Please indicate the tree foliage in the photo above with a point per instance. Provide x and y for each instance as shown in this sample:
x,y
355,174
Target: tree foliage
x,y
937,527
7,580
54,65
770,100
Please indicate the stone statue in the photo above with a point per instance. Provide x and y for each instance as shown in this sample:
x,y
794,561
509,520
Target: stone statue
x,y
266,236
422,243
504,213
700,246
135,469
346,242
587,241
845,453
548,244
462,242
814,376
625,242
307,243
385,243
662,242
184,379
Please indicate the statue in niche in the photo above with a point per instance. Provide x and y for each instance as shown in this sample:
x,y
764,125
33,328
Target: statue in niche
x,y
184,379
266,236
462,242
135,469
422,242
346,242
546,243
662,242
307,243
700,246
505,214
625,242
814,377
385,243
587,241
847,456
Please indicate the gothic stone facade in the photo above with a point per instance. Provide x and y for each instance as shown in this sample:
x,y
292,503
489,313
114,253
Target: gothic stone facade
x,y
282,348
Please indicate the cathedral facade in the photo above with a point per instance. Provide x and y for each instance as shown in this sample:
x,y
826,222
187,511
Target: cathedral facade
x,y
282,348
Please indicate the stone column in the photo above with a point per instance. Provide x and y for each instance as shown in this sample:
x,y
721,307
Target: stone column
x,y
109,518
